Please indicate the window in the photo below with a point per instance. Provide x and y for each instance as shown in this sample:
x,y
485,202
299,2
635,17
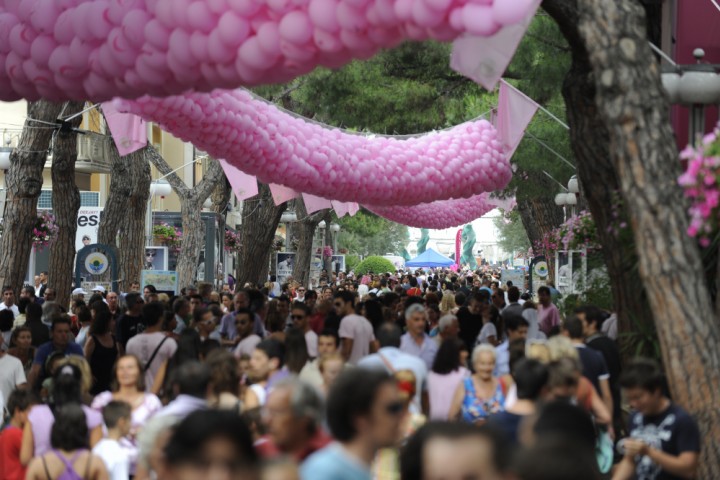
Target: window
x,y
87,199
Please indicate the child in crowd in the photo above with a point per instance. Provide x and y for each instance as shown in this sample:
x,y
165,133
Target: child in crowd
x,y
18,405
117,416
51,365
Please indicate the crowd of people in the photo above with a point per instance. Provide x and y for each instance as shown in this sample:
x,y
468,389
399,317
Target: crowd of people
x,y
403,375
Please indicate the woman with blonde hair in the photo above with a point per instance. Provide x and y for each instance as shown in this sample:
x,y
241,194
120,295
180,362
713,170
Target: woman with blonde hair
x,y
480,395
386,465
447,303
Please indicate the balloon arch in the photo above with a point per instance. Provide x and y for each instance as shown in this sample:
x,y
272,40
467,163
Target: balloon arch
x,y
174,50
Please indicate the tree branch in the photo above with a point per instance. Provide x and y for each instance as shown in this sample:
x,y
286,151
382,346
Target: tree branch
x,y
213,175
173,179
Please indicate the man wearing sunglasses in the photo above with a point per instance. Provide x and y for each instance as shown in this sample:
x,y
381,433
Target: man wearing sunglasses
x,y
364,413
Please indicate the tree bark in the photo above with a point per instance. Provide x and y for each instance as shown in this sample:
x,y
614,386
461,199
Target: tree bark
x,y
305,228
123,219
220,197
635,109
66,203
591,145
191,202
260,219
24,182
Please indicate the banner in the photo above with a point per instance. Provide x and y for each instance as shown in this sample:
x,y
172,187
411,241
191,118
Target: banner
x,y
284,267
88,222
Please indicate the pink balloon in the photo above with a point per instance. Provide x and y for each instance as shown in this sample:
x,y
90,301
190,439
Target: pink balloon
x,y
251,56
323,14
296,28
351,18
245,8
200,17
41,49
327,42
509,13
157,35
268,37
232,29
133,27
478,20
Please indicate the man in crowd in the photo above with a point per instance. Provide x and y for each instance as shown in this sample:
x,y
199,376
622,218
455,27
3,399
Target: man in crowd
x,y
29,293
356,332
12,373
548,314
8,302
147,291
50,294
328,343
470,318
59,342
43,284
664,439
130,324
416,342
516,328
299,315
113,304
293,416
196,301
247,340
514,307
592,319
183,312
593,363
300,294
441,450
364,413
448,327
152,346
391,358
228,331
266,369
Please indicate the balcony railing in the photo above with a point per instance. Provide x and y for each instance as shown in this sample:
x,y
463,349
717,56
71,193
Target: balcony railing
x,y
93,150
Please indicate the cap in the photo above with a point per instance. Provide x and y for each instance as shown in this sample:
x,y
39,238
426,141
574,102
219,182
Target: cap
x,y
99,288
79,291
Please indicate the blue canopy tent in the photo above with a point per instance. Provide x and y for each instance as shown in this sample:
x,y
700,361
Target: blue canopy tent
x,y
430,259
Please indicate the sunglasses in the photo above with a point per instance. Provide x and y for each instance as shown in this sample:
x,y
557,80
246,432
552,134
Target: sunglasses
x,y
301,290
394,408
297,317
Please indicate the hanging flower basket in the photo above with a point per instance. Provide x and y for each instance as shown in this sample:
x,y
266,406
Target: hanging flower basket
x,y
164,234
45,230
327,251
232,241
577,233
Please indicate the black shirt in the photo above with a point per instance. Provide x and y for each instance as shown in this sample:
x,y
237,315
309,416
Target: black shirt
x,y
609,350
593,363
127,327
40,333
470,326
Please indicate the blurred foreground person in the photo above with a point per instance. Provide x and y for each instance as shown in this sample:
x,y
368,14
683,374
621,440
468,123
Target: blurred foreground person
x,y
364,412
455,451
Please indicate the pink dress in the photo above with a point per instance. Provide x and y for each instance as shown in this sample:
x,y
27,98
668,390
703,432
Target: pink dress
x,y
441,390
140,415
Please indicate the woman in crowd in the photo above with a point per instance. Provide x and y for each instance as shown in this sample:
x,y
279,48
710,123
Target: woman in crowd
x,y
296,354
129,386
448,371
21,347
188,349
84,319
225,380
101,349
491,331
67,389
227,302
70,457
480,395
274,322
447,303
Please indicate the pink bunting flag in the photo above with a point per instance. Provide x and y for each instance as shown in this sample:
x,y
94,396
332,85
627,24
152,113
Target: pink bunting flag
x,y
129,131
281,193
353,208
484,59
243,185
345,208
314,204
515,111
507,204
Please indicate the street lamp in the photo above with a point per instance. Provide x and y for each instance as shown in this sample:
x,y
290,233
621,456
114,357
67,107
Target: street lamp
x,y
288,218
696,86
335,228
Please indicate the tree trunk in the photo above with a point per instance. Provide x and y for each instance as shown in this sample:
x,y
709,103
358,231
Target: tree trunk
x,y
220,201
635,109
591,145
191,202
123,219
24,182
260,219
66,203
305,229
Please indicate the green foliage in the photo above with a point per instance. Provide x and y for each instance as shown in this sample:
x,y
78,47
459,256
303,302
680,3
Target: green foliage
x,y
351,262
367,234
512,236
374,264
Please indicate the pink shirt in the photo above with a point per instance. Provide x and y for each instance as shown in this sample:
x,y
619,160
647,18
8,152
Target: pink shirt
x,y
441,390
548,317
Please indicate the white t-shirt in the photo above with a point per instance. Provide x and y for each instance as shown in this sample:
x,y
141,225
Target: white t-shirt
x,y
488,330
143,345
12,374
115,458
311,339
247,345
13,307
360,330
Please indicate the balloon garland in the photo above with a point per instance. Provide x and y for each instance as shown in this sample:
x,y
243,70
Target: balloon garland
x,y
438,215
100,49
277,147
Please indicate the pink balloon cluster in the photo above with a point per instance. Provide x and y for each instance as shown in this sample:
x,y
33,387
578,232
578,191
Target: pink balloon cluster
x,y
279,148
439,214
100,49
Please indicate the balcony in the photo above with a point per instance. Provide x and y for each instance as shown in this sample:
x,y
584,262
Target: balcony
x,y
93,150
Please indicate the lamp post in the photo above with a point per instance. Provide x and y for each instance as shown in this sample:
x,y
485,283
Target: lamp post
x,y
569,198
288,218
4,166
695,86
335,228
